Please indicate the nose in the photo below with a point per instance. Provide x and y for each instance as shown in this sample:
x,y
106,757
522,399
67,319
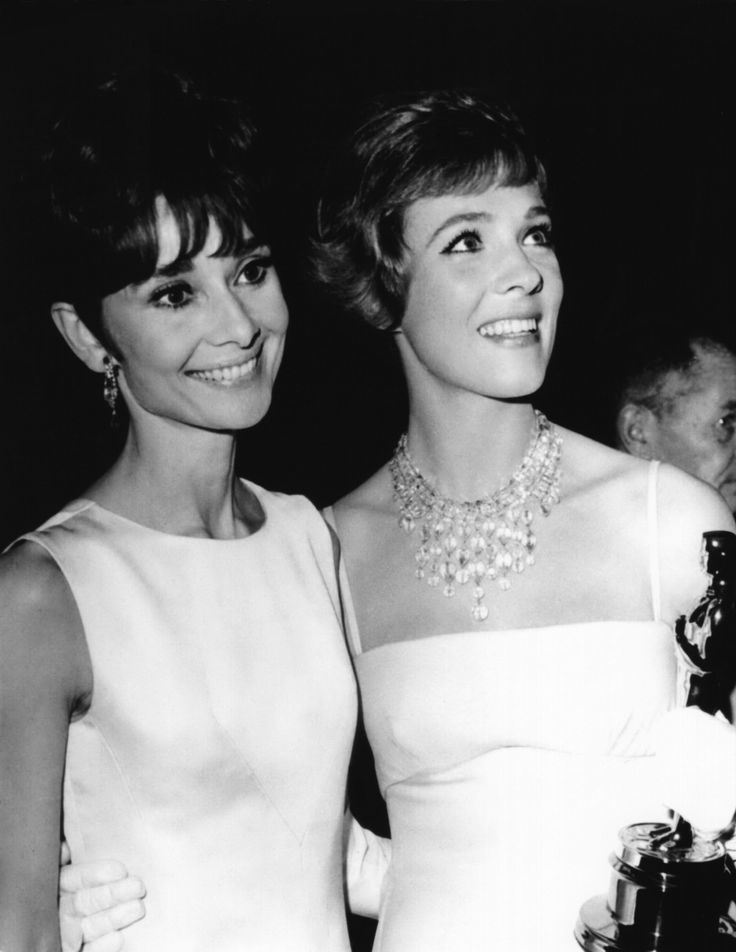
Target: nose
x,y
232,321
514,271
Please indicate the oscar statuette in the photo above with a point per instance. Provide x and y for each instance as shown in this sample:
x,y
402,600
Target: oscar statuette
x,y
671,888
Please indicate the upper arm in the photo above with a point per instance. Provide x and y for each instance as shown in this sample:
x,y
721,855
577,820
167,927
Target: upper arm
x,y
44,671
687,508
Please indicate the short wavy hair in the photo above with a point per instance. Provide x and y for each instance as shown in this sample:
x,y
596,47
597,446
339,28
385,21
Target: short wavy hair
x,y
117,149
438,143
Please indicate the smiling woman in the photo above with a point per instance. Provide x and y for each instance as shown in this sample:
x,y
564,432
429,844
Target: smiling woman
x,y
463,252
216,318
149,628
510,587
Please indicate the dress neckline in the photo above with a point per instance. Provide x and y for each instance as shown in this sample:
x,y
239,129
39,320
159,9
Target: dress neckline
x,y
83,503
517,632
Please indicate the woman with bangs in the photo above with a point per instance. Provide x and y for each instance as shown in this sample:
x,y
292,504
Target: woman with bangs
x,y
165,640
510,587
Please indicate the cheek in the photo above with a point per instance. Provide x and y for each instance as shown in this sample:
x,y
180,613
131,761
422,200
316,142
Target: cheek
x,y
150,363
275,313
278,356
553,290
696,452
558,291
434,303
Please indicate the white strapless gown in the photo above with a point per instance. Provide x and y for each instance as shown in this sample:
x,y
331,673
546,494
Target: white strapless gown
x,y
509,760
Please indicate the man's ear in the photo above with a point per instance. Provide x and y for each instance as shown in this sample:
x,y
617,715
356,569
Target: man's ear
x,y
78,336
636,430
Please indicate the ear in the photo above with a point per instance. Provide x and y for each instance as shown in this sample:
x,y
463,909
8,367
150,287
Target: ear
x,y
636,427
78,336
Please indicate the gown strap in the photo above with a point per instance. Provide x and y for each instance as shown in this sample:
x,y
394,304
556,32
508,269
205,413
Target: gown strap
x,y
653,532
348,608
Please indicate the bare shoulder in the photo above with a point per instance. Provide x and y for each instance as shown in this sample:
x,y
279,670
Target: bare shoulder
x,y
30,580
373,497
685,501
606,476
687,508
364,515
616,485
41,636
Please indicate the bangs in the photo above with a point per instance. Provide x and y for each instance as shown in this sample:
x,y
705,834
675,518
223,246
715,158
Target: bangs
x,y
128,143
510,168
437,174
132,256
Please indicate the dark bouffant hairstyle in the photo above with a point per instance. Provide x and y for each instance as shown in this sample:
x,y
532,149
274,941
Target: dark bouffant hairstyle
x,y
115,151
438,143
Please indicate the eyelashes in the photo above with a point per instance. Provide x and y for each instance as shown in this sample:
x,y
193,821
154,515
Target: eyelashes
x,y
470,240
179,292
545,230
255,270
174,295
469,236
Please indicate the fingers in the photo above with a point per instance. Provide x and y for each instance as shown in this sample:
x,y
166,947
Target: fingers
x,y
108,897
97,928
88,875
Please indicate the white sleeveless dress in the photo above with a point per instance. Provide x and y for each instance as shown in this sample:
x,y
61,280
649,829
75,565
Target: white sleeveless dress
x,y
213,759
509,760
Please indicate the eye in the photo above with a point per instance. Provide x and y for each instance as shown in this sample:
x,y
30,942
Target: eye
x,y
255,270
540,234
467,242
174,295
725,428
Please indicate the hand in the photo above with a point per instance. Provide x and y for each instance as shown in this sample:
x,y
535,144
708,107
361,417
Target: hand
x,y
95,900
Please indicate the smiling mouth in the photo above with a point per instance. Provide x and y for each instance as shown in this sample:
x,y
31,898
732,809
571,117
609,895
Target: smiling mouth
x,y
510,327
227,376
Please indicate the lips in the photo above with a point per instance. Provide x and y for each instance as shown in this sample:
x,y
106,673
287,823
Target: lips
x,y
510,327
228,375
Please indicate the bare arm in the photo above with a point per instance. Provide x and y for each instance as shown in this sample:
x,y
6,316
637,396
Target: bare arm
x,y
44,676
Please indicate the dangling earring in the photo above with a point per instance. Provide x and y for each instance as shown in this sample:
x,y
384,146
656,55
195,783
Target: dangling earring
x,y
110,390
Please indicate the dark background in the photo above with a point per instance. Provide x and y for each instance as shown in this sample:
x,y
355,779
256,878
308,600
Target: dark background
x,y
632,107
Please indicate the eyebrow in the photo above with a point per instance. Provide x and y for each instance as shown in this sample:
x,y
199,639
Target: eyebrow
x,y
185,264
534,212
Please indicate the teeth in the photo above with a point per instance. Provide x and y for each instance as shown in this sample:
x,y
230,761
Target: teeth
x,y
511,325
226,374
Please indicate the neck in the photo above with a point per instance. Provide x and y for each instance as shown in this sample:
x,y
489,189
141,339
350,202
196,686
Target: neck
x,y
469,445
179,480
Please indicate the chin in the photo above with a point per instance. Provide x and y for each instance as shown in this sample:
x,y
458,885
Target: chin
x,y
514,386
229,419
244,421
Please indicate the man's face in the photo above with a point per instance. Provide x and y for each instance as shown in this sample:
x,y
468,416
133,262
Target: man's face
x,y
697,429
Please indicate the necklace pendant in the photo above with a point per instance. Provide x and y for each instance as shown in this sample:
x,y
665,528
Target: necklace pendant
x,y
483,539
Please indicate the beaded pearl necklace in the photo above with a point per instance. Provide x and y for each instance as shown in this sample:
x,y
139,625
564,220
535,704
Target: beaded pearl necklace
x,y
482,540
